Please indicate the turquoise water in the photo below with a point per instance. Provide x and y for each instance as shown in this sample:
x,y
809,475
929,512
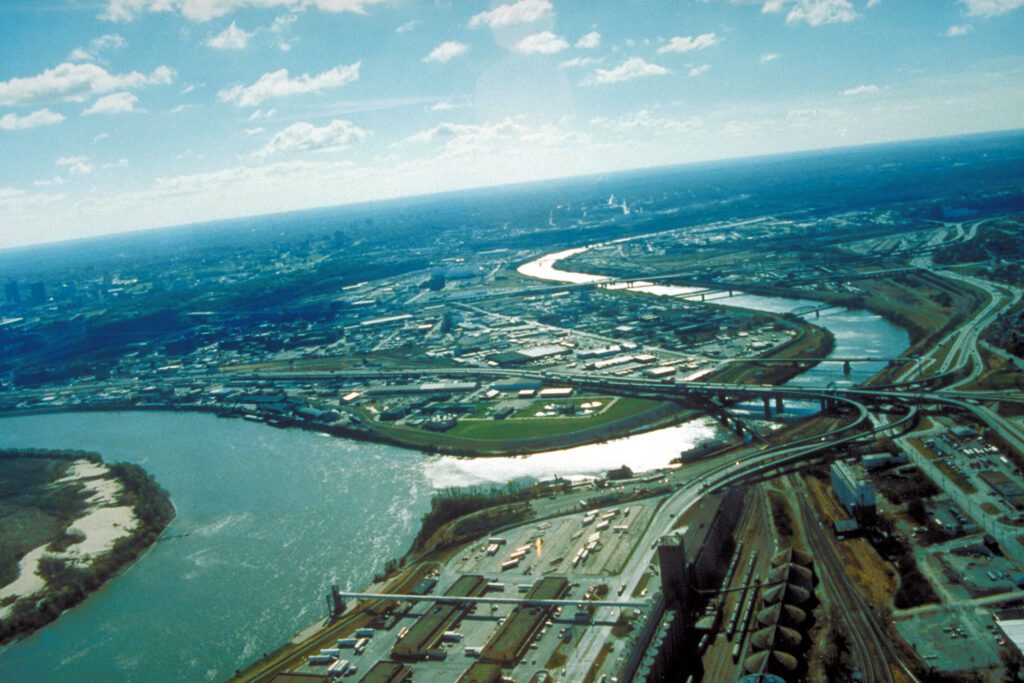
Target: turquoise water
x,y
272,518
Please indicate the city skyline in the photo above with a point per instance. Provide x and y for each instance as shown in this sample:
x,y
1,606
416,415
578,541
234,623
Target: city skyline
x,y
135,114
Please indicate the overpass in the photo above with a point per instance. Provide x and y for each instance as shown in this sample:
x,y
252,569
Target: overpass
x,y
918,392
636,386
458,600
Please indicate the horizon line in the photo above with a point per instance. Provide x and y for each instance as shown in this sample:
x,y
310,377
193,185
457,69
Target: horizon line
x,y
507,185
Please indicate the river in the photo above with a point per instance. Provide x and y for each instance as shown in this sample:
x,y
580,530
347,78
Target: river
x,y
268,519
858,333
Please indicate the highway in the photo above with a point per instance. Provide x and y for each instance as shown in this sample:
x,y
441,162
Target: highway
x,y
728,471
871,644
870,641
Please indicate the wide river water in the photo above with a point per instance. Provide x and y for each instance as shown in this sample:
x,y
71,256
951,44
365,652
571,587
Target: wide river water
x,y
268,519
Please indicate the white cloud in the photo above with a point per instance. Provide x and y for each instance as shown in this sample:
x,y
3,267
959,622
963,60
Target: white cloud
x,y
545,43
577,62
42,117
699,70
769,57
771,6
957,31
107,41
632,68
75,165
204,10
645,121
217,181
282,23
101,137
339,134
446,106
254,131
446,51
689,43
261,114
458,139
277,84
860,90
990,8
874,3
231,38
521,12
354,6
818,12
406,27
589,41
49,182
15,200
117,103
75,82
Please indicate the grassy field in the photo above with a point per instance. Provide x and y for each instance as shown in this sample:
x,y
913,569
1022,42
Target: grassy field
x,y
528,426
999,375
527,435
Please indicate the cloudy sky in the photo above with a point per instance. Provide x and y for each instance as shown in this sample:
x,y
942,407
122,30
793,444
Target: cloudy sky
x,y
124,114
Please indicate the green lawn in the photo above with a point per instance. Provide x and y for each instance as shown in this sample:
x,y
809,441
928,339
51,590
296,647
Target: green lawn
x,y
519,435
529,427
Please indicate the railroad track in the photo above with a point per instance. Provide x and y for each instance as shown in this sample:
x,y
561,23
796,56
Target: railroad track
x,y
866,637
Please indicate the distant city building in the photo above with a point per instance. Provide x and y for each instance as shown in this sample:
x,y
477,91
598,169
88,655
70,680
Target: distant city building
x,y
11,292
854,490
37,293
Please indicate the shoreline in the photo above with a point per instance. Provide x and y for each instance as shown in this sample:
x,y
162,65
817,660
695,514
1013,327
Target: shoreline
x,y
91,571
679,416
667,414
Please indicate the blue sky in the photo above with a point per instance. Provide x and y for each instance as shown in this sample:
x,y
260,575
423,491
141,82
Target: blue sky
x,y
125,114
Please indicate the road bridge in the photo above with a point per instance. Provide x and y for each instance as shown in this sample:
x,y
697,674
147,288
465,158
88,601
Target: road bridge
x,y
654,388
457,600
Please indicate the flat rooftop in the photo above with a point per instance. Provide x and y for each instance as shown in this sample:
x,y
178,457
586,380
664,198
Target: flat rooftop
x,y
426,632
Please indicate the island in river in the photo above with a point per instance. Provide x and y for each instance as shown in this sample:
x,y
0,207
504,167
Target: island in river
x,y
68,523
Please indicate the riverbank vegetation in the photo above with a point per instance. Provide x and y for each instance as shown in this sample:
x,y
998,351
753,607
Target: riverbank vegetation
x,y
42,496
458,504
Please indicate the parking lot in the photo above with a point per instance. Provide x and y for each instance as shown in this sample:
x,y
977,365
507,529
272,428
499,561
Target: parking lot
x,y
587,544
952,640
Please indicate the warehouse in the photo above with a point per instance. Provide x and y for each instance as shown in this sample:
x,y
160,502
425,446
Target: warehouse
x,y
512,638
420,640
854,490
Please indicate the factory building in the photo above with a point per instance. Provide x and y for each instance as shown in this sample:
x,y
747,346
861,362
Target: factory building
x,y
690,562
854,490
672,561
527,355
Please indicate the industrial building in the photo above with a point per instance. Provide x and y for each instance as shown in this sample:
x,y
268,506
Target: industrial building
x,y
855,490
425,634
690,563
510,641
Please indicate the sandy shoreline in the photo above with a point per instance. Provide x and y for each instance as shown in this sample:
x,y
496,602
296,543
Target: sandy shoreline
x,y
104,523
